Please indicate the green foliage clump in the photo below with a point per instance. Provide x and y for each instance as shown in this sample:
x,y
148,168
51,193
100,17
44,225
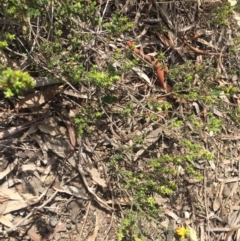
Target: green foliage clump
x,y
118,25
85,120
128,228
222,14
14,81
101,78
213,123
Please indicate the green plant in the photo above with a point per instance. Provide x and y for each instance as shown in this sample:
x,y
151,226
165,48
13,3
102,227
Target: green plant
x,y
101,78
222,14
158,106
235,46
118,25
195,121
128,109
237,7
14,81
85,120
176,124
213,123
128,228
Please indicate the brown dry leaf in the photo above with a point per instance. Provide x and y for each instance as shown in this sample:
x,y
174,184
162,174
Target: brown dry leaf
x,y
3,204
121,201
33,129
71,190
168,42
75,207
9,168
95,232
57,144
142,75
153,136
192,234
33,235
5,221
172,215
216,204
17,201
75,94
71,132
159,199
39,97
96,177
138,154
51,130
33,100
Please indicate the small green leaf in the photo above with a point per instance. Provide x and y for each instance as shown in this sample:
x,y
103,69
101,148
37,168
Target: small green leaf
x,y
108,99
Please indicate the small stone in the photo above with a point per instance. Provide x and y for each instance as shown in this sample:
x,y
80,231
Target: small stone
x,y
53,221
69,226
226,191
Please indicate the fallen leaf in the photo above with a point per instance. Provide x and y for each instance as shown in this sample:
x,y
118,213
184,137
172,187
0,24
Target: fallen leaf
x,y
122,201
71,190
216,204
142,75
39,97
9,168
172,215
5,221
95,232
57,144
17,201
96,177
153,136
51,130
33,100
192,234
33,235
3,204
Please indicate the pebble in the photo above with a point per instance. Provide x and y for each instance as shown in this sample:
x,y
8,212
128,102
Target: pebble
x,y
53,221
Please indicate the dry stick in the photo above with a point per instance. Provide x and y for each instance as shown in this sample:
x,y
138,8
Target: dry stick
x,y
200,51
88,207
60,77
205,199
14,130
231,232
110,225
98,199
80,169
156,65
31,213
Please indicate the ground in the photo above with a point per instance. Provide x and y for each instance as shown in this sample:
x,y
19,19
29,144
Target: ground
x,y
132,129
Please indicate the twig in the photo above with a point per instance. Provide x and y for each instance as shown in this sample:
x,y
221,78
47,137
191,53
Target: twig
x,y
88,207
110,225
158,67
231,232
14,130
200,51
31,213
81,171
